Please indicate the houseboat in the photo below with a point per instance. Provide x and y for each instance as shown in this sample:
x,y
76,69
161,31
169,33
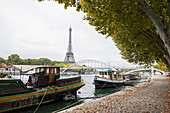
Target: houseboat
x,y
43,86
108,78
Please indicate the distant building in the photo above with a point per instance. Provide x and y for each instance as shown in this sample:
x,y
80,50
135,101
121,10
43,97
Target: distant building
x,y
69,58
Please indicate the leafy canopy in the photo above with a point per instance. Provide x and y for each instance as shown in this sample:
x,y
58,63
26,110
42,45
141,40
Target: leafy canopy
x,y
132,31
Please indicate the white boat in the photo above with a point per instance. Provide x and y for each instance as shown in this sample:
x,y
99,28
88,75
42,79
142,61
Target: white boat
x,y
108,78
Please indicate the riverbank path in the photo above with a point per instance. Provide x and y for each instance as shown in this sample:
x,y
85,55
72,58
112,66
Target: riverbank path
x,y
148,97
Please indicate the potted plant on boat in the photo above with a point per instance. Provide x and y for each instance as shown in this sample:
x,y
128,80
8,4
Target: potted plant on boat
x,y
3,75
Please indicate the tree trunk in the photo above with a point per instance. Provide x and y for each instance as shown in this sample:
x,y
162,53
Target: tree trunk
x,y
163,31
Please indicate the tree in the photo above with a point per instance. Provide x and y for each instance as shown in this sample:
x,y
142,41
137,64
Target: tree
x,y
14,59
27,61
140,28
44,61
128,24
162,66
2,60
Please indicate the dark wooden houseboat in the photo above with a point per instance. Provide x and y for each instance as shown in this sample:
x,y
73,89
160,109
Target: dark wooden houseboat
x,y
45,85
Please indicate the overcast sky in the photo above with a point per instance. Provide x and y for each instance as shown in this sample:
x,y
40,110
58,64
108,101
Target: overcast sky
x,y
35,29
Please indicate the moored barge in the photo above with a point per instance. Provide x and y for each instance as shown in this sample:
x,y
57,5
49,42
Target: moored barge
x,y
43,86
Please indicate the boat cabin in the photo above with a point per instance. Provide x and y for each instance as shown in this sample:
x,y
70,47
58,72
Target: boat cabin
x,y
110,74
44,76
48,76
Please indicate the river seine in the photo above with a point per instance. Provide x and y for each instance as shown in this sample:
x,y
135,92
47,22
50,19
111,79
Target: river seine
x,y
88,91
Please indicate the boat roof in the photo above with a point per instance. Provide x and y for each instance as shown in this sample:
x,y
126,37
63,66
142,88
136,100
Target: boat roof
x,y
9,79
26,68
106,70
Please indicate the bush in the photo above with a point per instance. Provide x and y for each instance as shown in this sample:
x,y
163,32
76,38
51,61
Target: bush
x,y
2,75
5,74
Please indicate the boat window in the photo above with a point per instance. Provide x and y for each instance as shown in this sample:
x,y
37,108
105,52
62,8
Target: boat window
x,y
56,70
38,70
42,69
47,70
51,70
102,73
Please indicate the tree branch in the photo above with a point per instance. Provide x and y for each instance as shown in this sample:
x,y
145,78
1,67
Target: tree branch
x,y
156,20
154,36
161,49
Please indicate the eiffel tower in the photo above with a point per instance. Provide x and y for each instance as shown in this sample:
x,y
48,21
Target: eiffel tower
x,y
69,55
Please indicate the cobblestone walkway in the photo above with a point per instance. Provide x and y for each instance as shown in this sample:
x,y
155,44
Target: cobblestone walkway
x,y
153,97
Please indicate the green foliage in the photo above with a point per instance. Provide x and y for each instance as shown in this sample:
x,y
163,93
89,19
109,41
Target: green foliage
x,y
162,66
132,31
16,60
5,74
83,65
155,66
67,3
2,60
2,75
62,64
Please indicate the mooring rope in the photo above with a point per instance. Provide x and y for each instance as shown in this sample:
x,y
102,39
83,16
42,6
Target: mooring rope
x,y
77,101
40,102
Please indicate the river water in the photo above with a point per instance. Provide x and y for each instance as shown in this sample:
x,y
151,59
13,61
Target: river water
x,y
86,91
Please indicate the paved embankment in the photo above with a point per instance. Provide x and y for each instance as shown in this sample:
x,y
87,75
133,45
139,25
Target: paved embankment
x,y
148,97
